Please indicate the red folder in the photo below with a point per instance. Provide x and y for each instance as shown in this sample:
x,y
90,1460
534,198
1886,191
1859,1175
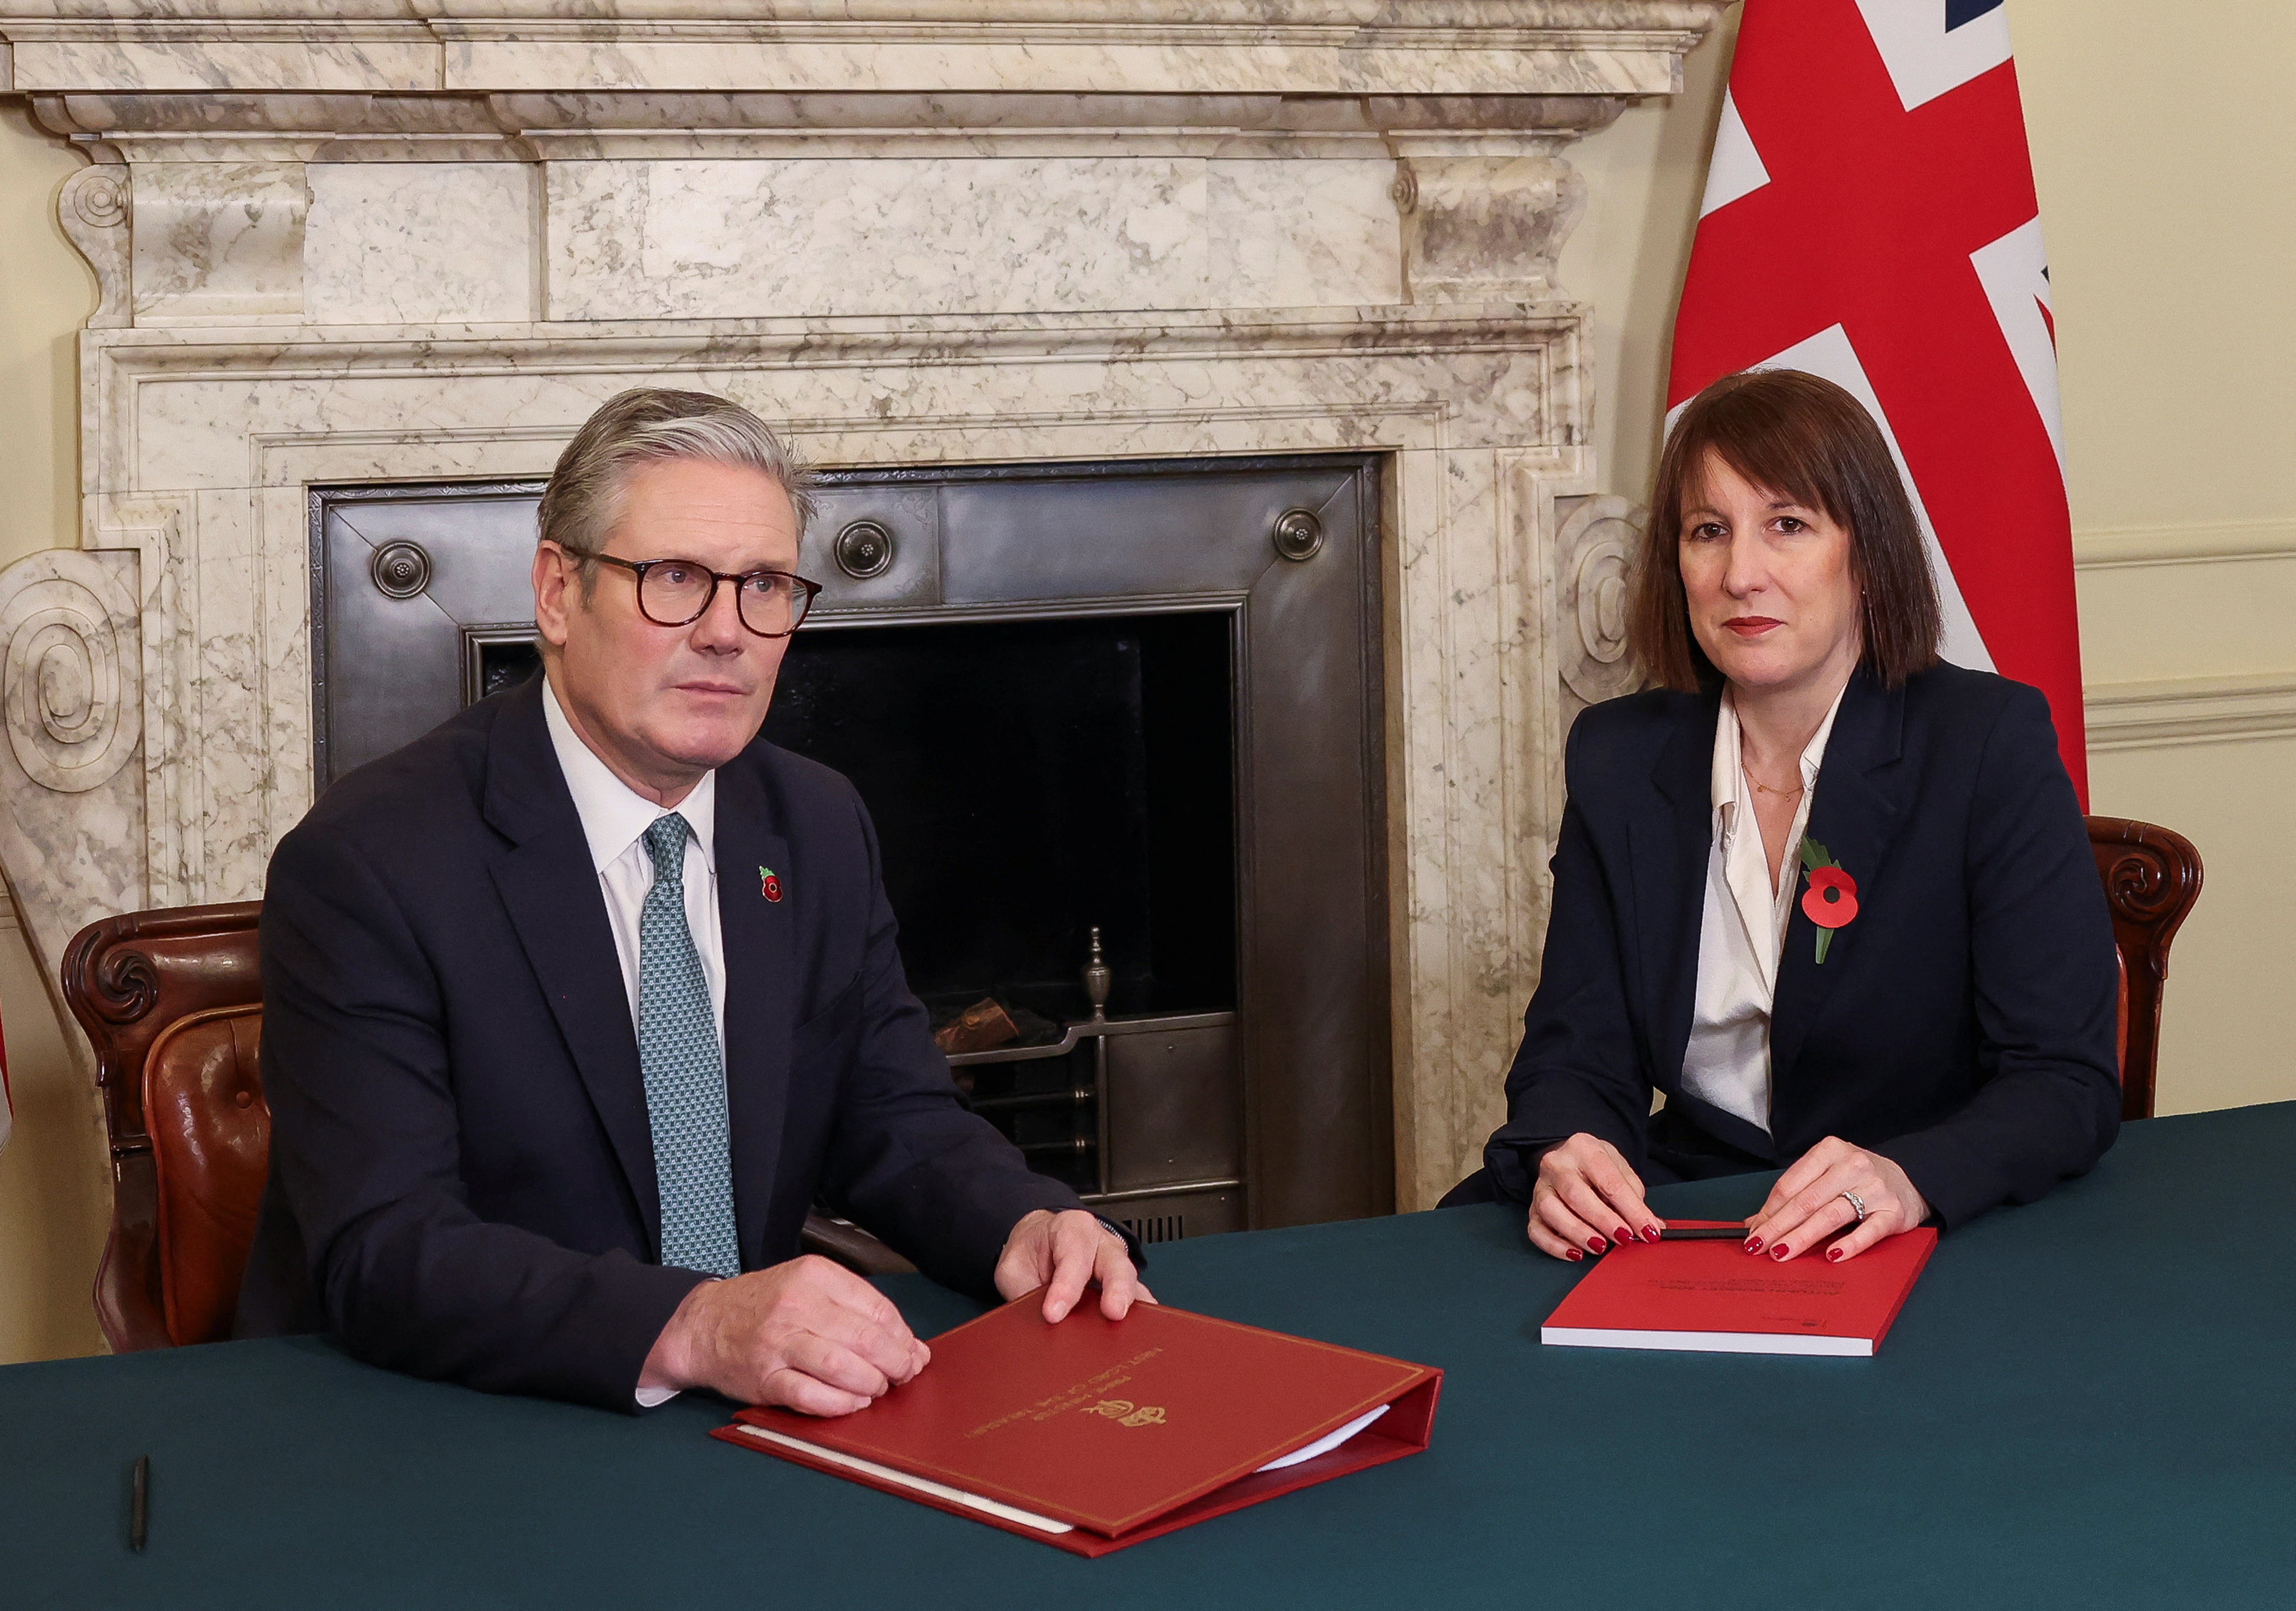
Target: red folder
x,y
1093,1435
1714,1297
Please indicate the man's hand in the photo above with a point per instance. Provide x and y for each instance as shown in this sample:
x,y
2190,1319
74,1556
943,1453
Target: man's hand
x,y
809,1334
1060,1252
1807,1205
1586,1198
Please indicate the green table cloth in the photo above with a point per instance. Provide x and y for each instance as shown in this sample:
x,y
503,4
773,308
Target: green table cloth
x,y
2086,1402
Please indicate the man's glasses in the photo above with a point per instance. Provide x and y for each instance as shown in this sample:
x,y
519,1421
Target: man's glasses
x,y
677,592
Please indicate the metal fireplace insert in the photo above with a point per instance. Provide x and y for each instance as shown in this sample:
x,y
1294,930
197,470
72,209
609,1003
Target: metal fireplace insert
x,y
1120,728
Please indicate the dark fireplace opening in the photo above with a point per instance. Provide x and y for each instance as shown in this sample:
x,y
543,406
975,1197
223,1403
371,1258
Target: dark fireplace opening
x,y
1034,780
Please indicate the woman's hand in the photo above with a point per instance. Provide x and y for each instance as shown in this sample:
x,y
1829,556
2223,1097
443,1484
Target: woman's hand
x,y
1807,1205
1585,1200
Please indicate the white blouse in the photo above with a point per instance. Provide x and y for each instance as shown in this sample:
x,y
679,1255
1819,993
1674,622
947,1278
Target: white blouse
x,y
1743,931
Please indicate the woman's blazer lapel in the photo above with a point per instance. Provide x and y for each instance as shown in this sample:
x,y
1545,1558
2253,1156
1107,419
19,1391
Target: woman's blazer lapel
x,y
1854,815
1669,833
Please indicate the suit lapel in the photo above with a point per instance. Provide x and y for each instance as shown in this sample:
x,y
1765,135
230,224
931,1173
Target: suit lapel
x,y
760,992
1670,831
1853,814
548,884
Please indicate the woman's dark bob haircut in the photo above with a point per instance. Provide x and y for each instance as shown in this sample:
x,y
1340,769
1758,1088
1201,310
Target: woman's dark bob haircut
x,y
1798,436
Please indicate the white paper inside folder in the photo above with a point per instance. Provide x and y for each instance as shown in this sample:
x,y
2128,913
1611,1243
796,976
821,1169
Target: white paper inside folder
x,y
1327,1443
955,1496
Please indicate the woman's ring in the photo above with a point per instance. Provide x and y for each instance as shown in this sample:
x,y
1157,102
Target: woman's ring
x,y
1857,1205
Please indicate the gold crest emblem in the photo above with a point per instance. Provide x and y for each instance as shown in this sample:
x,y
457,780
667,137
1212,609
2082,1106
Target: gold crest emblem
x,y
1147,1415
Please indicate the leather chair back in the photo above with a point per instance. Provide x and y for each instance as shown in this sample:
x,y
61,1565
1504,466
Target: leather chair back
x,y
210,1132
171,1001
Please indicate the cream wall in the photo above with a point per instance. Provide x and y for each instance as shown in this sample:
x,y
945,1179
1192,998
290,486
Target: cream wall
x,y
2164,164
2166,174
54,1190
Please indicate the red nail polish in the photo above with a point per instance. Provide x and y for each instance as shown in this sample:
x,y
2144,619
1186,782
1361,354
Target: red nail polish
x,y
1780,1251
1572,1254
1834,1256
1622,1236
1595,1244
1753,1244
1650,1233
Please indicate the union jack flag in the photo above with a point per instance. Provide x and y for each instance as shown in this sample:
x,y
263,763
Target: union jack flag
x,y
1869,217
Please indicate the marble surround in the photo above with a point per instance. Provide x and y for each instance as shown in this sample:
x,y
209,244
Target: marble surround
x,y
388,243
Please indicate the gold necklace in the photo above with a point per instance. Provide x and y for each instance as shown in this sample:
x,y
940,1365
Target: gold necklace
x,y
1762,788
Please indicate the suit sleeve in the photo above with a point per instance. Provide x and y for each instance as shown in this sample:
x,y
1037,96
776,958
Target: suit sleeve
x,y
2041,962
1577,1069
907,1159
364,1145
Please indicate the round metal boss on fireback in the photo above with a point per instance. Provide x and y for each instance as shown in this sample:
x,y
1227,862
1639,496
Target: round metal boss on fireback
x,y
1298,534
864,549
401,570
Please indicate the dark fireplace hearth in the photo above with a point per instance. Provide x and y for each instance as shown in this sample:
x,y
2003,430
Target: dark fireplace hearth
x,y
1031,781
1118,728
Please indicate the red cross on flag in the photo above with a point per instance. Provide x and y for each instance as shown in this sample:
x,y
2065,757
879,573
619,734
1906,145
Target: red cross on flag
x,y
1869,218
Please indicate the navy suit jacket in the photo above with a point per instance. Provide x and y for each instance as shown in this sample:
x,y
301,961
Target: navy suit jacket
x,y
461,1176
1963,1024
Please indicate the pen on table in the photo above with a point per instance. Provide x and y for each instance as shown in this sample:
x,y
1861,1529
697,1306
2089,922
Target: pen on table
x,y
1703,1233
139,1504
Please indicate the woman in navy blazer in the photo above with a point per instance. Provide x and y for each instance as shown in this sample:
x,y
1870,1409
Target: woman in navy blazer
x,y
1929,1028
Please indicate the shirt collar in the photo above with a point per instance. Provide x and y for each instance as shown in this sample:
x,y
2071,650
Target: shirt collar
x,y
1725,755
1728,771
614,815
1813,754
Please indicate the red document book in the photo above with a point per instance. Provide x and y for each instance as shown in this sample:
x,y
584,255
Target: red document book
x,y
1093,1435
1714,1297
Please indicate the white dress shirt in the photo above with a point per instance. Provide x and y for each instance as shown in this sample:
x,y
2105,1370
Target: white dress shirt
x,y
615,818
1743,931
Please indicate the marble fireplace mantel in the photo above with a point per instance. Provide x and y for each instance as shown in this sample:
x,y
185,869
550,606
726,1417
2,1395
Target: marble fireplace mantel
x,y
380,240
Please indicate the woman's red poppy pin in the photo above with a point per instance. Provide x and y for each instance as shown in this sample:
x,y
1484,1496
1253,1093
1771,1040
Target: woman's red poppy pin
x,y
769,885
1831,899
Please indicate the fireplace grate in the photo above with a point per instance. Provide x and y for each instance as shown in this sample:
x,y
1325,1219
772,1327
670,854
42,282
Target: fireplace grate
x,y
1158,1228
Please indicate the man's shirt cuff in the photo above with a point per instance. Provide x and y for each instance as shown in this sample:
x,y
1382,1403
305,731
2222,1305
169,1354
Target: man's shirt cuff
x,y
1132,1245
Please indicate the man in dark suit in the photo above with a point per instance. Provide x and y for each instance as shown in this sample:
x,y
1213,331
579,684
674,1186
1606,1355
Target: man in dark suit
x,y
573,1007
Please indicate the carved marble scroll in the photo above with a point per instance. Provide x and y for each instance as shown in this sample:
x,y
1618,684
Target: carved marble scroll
x,y
60,683
1595,551
92,206
71,693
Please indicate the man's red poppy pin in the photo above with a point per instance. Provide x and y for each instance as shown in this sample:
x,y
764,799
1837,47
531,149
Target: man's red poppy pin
x,y
770,885
1831,899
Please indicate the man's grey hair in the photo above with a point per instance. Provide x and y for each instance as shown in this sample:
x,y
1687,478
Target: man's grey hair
x,y
645,426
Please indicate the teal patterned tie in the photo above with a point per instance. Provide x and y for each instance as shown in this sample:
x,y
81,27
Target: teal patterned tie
x,y
685,1070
